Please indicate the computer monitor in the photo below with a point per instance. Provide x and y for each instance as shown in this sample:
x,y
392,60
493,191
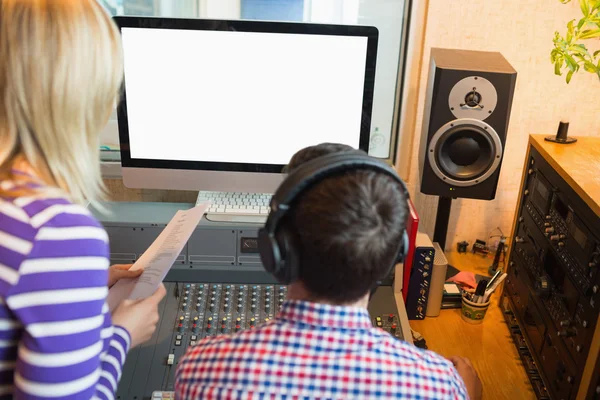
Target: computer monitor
x,y
223,105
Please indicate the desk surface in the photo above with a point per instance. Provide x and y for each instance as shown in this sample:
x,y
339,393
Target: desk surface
x,y
488,346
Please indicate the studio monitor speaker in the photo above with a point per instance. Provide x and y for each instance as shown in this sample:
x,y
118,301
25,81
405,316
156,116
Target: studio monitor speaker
x,y
467,109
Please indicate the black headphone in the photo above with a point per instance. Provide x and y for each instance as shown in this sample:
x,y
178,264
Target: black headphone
x,y
278,251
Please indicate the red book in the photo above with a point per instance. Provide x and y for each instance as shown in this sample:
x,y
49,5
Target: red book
x,y
412,227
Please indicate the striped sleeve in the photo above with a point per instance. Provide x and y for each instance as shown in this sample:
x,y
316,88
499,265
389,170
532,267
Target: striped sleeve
x,y
68,347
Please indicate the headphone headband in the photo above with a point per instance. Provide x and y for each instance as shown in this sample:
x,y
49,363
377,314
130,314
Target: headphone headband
x,y
314,171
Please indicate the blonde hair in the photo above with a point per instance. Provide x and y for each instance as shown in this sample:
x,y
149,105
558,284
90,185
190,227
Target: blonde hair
x,y
61,69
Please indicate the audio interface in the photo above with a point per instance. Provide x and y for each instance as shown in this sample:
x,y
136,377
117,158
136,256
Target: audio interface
x,y
420,277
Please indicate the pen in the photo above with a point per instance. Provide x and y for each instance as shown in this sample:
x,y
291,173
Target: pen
x,y
491,290
494,278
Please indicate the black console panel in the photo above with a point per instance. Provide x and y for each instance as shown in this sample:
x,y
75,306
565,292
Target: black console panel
x,y
551,296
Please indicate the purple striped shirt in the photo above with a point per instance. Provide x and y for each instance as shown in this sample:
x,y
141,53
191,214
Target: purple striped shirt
x,y
56,335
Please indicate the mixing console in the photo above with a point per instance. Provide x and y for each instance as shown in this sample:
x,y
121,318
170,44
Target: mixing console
x,y
193,311
214,309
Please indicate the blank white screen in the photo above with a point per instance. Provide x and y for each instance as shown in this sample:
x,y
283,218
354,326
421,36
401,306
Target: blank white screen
x,y
239,96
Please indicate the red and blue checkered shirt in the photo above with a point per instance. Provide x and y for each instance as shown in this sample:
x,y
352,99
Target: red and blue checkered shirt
x,y
315,351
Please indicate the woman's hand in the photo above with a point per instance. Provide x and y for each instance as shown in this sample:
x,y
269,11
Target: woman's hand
x,y
140,317
121,271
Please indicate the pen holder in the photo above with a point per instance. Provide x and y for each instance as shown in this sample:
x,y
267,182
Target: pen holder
x,y
473,313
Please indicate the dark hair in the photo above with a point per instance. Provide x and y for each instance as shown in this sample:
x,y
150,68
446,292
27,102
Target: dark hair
x,y
348,227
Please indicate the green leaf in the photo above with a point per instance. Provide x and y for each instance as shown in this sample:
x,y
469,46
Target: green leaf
x,y
571,63
596,53
589,67
557,66
569,76
590,33
585,7
581,23
579,49
556,37
570,28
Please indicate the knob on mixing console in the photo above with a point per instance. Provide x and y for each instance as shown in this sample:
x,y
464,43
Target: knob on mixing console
x,y
568,332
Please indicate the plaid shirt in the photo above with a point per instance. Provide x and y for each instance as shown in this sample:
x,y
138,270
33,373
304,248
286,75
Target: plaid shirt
x,y
315,351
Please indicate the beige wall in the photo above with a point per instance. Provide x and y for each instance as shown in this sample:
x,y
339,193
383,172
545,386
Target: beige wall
x,y
522,30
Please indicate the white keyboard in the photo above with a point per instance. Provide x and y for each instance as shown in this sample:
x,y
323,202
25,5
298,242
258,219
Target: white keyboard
x,y
236,206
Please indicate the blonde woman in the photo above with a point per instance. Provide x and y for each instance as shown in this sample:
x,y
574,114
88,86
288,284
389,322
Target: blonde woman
x,y
60,72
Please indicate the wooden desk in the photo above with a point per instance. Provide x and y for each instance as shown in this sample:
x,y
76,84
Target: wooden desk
x,y
488,346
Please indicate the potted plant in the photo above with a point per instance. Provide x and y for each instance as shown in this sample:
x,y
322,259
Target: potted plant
x,y
570,52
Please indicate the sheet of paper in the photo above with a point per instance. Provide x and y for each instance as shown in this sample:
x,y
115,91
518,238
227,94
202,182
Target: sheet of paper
x,y
451,288
159,258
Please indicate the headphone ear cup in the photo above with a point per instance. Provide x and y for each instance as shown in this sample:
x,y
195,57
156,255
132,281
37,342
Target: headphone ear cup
x,y
403,252
291,266
268,250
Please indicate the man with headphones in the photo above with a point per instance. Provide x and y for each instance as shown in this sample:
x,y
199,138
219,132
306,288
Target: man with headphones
x,y
336,228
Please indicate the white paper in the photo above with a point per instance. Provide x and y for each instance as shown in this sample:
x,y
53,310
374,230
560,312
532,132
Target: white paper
x,y
159,258
451,288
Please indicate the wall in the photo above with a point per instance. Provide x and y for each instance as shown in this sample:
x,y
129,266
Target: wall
x,y
522,31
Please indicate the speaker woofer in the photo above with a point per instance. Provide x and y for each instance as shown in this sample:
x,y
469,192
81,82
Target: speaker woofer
x,y
465,152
